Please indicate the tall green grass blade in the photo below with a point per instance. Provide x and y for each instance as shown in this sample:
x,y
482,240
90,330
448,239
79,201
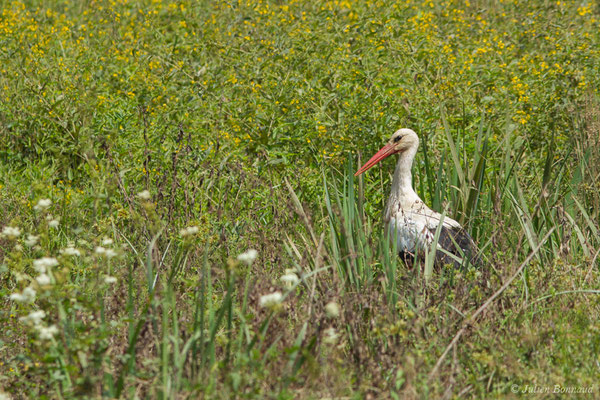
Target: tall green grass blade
x,y
151,278
521,211
430,253
438,194
591,225
476,178
580,236
453,150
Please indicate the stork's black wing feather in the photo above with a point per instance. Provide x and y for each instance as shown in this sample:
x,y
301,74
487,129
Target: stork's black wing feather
x,y
449,239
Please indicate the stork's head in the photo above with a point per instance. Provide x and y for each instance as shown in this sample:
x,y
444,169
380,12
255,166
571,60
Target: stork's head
x,y
402,140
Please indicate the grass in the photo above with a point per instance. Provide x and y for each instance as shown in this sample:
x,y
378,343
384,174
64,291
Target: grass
x,y
245,122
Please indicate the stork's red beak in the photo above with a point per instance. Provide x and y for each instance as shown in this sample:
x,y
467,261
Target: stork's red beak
x,y
385,152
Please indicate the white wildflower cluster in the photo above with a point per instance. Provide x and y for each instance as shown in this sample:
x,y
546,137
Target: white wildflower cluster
x,y
109,280
271,300
290,278
43,280
248,257
31,240
11,232
52,222
47,332
43,264
36,319
331,336
104,252
28,296
70,251
43,205
332,309
144,195
189,231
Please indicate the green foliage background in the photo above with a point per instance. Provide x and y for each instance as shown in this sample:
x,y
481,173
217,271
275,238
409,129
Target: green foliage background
x,y
244,118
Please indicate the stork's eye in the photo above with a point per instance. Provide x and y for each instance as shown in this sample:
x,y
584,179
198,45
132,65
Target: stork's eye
x,y
397,139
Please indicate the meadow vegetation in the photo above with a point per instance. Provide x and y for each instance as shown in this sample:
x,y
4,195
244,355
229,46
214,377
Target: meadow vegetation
x,y
165,165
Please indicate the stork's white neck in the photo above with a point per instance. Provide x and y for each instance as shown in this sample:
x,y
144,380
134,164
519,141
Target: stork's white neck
x,y
402,189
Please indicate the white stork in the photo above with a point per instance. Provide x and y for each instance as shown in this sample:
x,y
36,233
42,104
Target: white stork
x,y
409,220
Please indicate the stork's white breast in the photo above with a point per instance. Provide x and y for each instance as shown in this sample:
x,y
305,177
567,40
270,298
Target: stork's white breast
x,y
414,227
409,233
